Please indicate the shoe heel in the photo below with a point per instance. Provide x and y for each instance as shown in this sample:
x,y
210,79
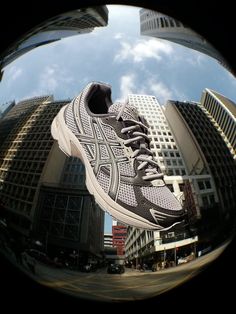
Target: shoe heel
x,y
54,130
59,135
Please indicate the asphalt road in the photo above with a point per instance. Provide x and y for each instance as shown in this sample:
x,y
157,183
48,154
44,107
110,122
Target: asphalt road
x,y
132,285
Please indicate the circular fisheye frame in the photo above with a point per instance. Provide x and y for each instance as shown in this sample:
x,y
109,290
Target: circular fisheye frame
x,y
117,153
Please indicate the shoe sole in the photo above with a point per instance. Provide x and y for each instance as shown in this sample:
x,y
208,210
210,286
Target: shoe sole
x,y
71,146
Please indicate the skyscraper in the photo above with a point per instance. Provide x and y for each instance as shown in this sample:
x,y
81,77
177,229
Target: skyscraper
x,y
222,112
143,245
42,191
64,25
25,146
163,143
205,152
119,233
158,25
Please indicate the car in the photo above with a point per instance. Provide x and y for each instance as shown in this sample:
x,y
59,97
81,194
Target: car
x,y
182,260
115,269
39,256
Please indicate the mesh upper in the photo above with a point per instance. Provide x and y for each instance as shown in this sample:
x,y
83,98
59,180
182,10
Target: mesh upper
x,y
130,112
99,135
118,152
126,169
104,180
110,133
161,196
104,152
127,195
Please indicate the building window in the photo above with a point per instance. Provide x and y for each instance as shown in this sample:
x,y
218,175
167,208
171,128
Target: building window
x,y
162,22
201,185
208,184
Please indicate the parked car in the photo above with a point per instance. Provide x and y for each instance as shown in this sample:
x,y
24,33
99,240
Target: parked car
x,y
115,269
39,256
182,260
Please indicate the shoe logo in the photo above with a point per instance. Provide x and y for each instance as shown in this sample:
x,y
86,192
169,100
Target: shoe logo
x,y
102,154
157,216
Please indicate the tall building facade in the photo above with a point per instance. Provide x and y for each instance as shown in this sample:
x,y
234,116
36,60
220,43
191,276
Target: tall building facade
x,y
23,153
143,245
108,240
222,112
119,233
206,152
65,25
43,191
149,247
163,144
162,26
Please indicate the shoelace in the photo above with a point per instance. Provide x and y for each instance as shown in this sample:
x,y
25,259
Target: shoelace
x,y
151,172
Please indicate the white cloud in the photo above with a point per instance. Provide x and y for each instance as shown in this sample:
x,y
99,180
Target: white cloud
x,y
51,81
49,78
13,73
160,90
143,49
127,85
195,58
118,36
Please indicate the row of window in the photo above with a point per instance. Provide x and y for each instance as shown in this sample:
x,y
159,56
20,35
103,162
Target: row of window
x,y
163,146
204,184
161,22
16,204
17,178
25,166
221,116
18,191
28,155
161,139
176,172
158,127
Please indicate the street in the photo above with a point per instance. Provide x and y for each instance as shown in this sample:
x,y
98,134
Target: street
x,y
132,285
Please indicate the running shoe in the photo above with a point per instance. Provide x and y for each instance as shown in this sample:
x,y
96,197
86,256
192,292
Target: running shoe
x,y
121,173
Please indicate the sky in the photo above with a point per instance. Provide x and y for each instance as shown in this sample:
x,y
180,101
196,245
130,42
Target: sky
x,y
118,55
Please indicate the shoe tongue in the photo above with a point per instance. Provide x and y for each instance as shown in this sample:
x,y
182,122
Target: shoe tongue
x,y
129,112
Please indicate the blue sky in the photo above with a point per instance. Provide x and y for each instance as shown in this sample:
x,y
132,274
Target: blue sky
x,y
118,55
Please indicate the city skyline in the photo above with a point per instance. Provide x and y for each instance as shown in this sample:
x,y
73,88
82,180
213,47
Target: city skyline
x,y
130,62
137,64
51,229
